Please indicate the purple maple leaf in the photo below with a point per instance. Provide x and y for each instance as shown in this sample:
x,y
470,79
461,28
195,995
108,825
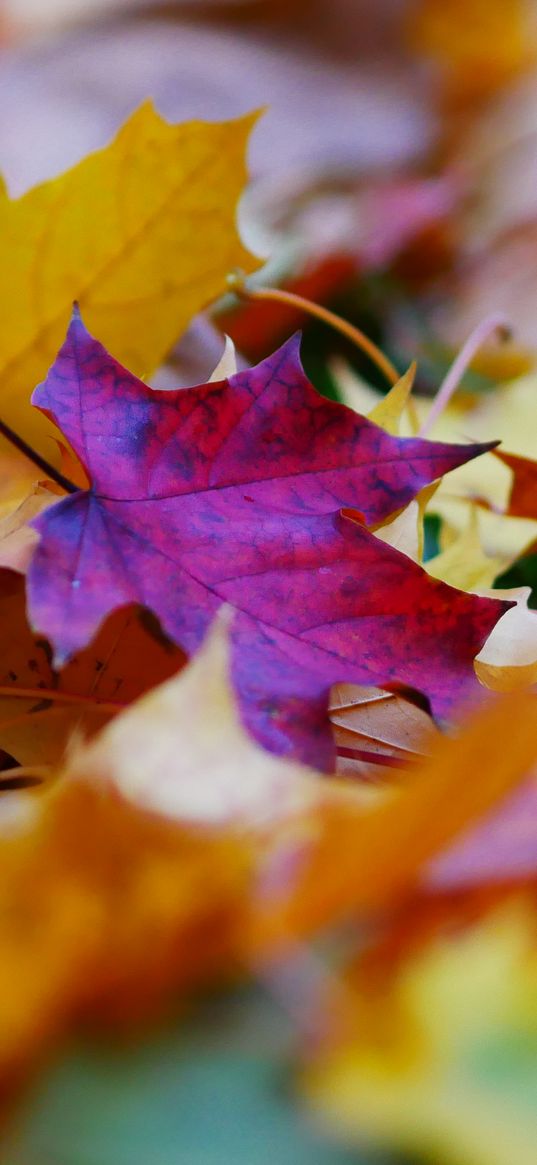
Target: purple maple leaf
x,y
235,492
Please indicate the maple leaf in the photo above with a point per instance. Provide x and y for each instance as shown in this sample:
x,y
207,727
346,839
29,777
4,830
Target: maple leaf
x,y
522,501
147,832
236,492
141,232
40,708
155,828
372,727
17,538
17,480
109,909
463,562
507,661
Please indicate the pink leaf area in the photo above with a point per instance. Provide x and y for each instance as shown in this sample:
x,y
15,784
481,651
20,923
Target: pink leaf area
x,y
235,492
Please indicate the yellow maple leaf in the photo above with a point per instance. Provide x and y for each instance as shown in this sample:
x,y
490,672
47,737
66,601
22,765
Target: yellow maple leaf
x,y
463,563
386,411
142,233
389,410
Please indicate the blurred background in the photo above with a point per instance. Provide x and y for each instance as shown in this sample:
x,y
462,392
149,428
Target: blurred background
x,y
393,172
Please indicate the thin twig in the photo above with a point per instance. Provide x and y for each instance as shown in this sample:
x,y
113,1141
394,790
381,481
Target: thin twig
x,y
60,697
37,459
493,323
369,756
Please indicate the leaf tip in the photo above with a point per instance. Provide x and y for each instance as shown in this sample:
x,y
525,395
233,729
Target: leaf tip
x,y
291,348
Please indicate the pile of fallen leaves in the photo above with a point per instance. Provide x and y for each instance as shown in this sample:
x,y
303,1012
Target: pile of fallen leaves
x,y
249,736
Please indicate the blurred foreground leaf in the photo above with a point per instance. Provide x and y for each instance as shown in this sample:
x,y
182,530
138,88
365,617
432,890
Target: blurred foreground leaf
x,y
444,1058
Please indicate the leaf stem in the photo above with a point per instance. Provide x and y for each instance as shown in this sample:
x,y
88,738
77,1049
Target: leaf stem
x,y
59,697
236,283
37,459
369,756
493,323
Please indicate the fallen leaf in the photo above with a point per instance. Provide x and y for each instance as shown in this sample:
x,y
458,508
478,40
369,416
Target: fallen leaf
x,y
166,846
71,468
220,776
227,364
40,708
388,412
134,878
522,502
507,661
141,233
403,532
236,492
374,727
354,863
17,479
463,563
354,390
18,539
105,909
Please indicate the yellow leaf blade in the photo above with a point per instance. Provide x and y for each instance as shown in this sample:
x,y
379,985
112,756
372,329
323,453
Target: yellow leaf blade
x,y
388,412
142,233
